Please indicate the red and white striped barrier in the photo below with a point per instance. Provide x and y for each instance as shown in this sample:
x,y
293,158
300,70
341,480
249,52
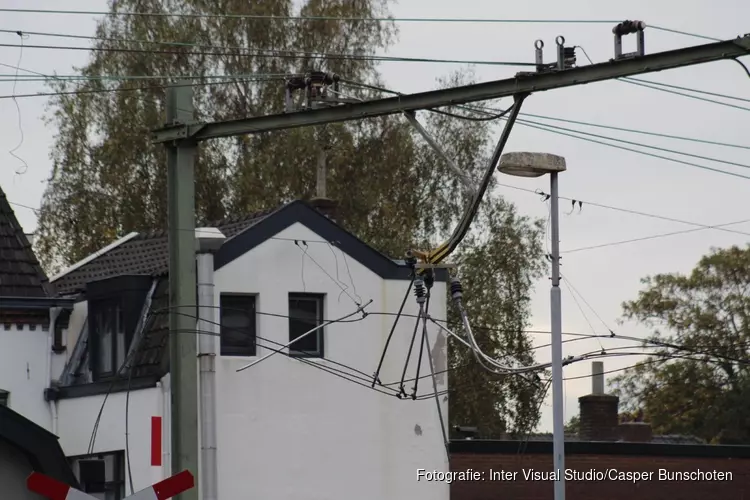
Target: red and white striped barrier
x,y
55,490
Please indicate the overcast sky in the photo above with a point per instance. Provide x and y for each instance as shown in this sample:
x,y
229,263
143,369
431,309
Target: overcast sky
x,y
605,277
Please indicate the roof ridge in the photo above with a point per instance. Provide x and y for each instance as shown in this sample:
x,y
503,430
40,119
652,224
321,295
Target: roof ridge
x,y
94,255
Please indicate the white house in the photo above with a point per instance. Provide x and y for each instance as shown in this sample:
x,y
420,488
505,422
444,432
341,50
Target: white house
x,y
30,321
304,423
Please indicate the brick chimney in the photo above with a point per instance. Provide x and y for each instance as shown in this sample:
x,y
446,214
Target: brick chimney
x,y
598,411
326,206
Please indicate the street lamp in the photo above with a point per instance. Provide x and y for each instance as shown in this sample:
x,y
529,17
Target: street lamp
x,y
536,165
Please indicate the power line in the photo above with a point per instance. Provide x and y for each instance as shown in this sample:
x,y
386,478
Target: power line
x,y
657,148
634,131
675,160
276,54
652,237
699,227
263,52
712,101
126,89
567,132
661,87
318,18
350,19
678,87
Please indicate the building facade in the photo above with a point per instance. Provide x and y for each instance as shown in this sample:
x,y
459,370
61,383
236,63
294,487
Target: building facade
x,y
305,420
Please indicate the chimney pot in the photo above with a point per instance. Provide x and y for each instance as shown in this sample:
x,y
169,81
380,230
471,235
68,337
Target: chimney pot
x,y
326,206
597,377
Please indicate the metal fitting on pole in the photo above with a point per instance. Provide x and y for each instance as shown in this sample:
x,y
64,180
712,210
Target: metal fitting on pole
x,y
629,28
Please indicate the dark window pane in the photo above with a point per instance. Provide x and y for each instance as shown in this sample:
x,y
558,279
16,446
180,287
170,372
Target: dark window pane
x,y
305,313
238,325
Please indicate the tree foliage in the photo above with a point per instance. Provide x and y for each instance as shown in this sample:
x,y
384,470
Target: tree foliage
x,y
394,192
700,383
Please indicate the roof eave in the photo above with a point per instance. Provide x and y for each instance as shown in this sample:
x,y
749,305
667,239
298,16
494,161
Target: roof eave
x,y
35,303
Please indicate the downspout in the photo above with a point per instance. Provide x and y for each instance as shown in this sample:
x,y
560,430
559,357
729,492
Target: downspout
x,y
208,241
54,313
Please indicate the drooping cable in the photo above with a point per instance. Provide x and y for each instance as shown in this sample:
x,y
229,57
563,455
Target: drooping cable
x,y
376,375
419,290
424,306
359,309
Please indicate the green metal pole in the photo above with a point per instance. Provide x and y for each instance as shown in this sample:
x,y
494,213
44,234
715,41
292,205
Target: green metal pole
x,y
182,290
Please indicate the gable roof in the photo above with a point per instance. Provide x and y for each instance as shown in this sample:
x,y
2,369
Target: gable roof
x,y
144,253
148,253
21,275
40,446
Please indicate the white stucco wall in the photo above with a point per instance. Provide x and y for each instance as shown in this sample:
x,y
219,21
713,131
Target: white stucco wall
x,y
14,469
77,416
287,430
23,370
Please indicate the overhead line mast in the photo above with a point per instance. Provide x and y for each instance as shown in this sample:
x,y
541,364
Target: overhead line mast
x,y
180,136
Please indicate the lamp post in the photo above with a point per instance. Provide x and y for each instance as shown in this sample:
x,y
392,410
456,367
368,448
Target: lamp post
x,y
536,165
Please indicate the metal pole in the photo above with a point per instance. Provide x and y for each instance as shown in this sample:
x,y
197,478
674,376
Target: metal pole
x,y
558,428
208,328
322,173
183,364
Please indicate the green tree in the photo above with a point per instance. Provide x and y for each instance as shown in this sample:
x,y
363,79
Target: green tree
x,y
700,383
394,192
574,425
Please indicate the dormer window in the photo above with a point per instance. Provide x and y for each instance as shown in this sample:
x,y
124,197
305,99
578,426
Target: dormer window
x,y
115,306
110,337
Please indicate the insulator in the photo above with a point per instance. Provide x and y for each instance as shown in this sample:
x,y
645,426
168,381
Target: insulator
x,y
457,290
419,289
628,27
429,278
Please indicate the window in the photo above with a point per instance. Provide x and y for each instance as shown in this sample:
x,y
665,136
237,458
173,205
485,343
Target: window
x,y
4,396
305,313
102,476
109,334
237,325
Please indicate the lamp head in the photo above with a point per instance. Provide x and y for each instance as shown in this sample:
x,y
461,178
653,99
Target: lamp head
x,y
530,164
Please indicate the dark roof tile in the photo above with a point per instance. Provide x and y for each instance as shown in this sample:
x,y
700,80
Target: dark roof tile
x,y
147,253
21,275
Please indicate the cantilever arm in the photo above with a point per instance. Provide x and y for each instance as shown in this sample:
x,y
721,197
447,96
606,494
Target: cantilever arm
x,y
441,252
469,184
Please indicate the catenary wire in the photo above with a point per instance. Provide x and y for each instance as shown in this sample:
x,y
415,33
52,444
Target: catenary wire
x,y
316,18
127,89
645,153
623,141
648,238
633,212
390,19
264,52
364,379
631,130
678,87
498,113
662,88
276,54
567,132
